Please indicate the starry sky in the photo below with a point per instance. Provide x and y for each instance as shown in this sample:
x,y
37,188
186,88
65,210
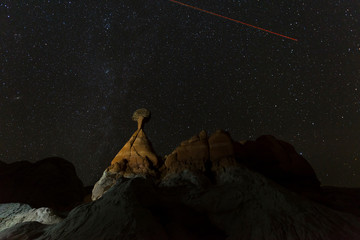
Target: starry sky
x,y
72,73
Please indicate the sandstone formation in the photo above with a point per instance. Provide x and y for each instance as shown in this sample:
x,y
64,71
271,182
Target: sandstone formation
x,y
51,182
202,155
141,116
209,187
137,157
273,158
192,155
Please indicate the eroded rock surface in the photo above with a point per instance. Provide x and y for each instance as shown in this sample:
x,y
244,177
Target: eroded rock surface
x,y
267,155
136,158
209,187
14,213
243,205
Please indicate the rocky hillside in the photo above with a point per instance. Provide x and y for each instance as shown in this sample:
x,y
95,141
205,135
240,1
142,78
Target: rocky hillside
x,y
242,204
209,187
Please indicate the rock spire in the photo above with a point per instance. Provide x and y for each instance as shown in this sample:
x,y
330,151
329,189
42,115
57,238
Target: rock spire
x,y
136,157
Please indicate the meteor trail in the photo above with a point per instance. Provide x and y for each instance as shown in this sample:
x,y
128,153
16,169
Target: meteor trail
x,y
234,20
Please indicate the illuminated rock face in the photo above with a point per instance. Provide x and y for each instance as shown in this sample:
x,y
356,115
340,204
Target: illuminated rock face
x,y
191,155
267,155
210,156
136,158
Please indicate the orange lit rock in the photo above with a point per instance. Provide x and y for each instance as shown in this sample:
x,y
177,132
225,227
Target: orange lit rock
x,y
191,155
267,155
222,154
136,158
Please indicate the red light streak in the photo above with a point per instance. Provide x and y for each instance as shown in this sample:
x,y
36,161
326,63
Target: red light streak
x,y
234,20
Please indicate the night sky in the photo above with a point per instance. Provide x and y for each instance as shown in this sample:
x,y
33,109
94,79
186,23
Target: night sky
x,y
73,73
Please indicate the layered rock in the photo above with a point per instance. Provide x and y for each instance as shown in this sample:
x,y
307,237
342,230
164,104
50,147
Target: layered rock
x,y
136,158
208,156
209,187
200,155
192,155
222,152
273,158
51,182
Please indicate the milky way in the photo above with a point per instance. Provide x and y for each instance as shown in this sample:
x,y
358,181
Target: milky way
x,y
72,74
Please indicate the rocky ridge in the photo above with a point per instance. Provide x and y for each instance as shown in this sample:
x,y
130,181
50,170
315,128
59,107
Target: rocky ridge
x,y
209,155
242,205
209,187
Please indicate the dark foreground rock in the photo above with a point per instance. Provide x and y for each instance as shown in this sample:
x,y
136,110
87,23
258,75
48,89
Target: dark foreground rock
x,y
279,161
241,205
338,198
51,182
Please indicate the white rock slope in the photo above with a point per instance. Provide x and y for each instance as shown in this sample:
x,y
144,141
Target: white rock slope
x,y
14,213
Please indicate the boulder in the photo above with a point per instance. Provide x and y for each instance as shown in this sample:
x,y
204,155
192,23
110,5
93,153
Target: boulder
x,y
278,161
51,182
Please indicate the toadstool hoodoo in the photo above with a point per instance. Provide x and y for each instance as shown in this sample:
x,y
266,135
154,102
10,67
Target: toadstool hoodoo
x,y
137,157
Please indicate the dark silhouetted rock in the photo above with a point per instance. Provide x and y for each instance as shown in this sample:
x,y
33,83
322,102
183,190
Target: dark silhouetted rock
x,y
245,205
51,182
338,198
278,161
